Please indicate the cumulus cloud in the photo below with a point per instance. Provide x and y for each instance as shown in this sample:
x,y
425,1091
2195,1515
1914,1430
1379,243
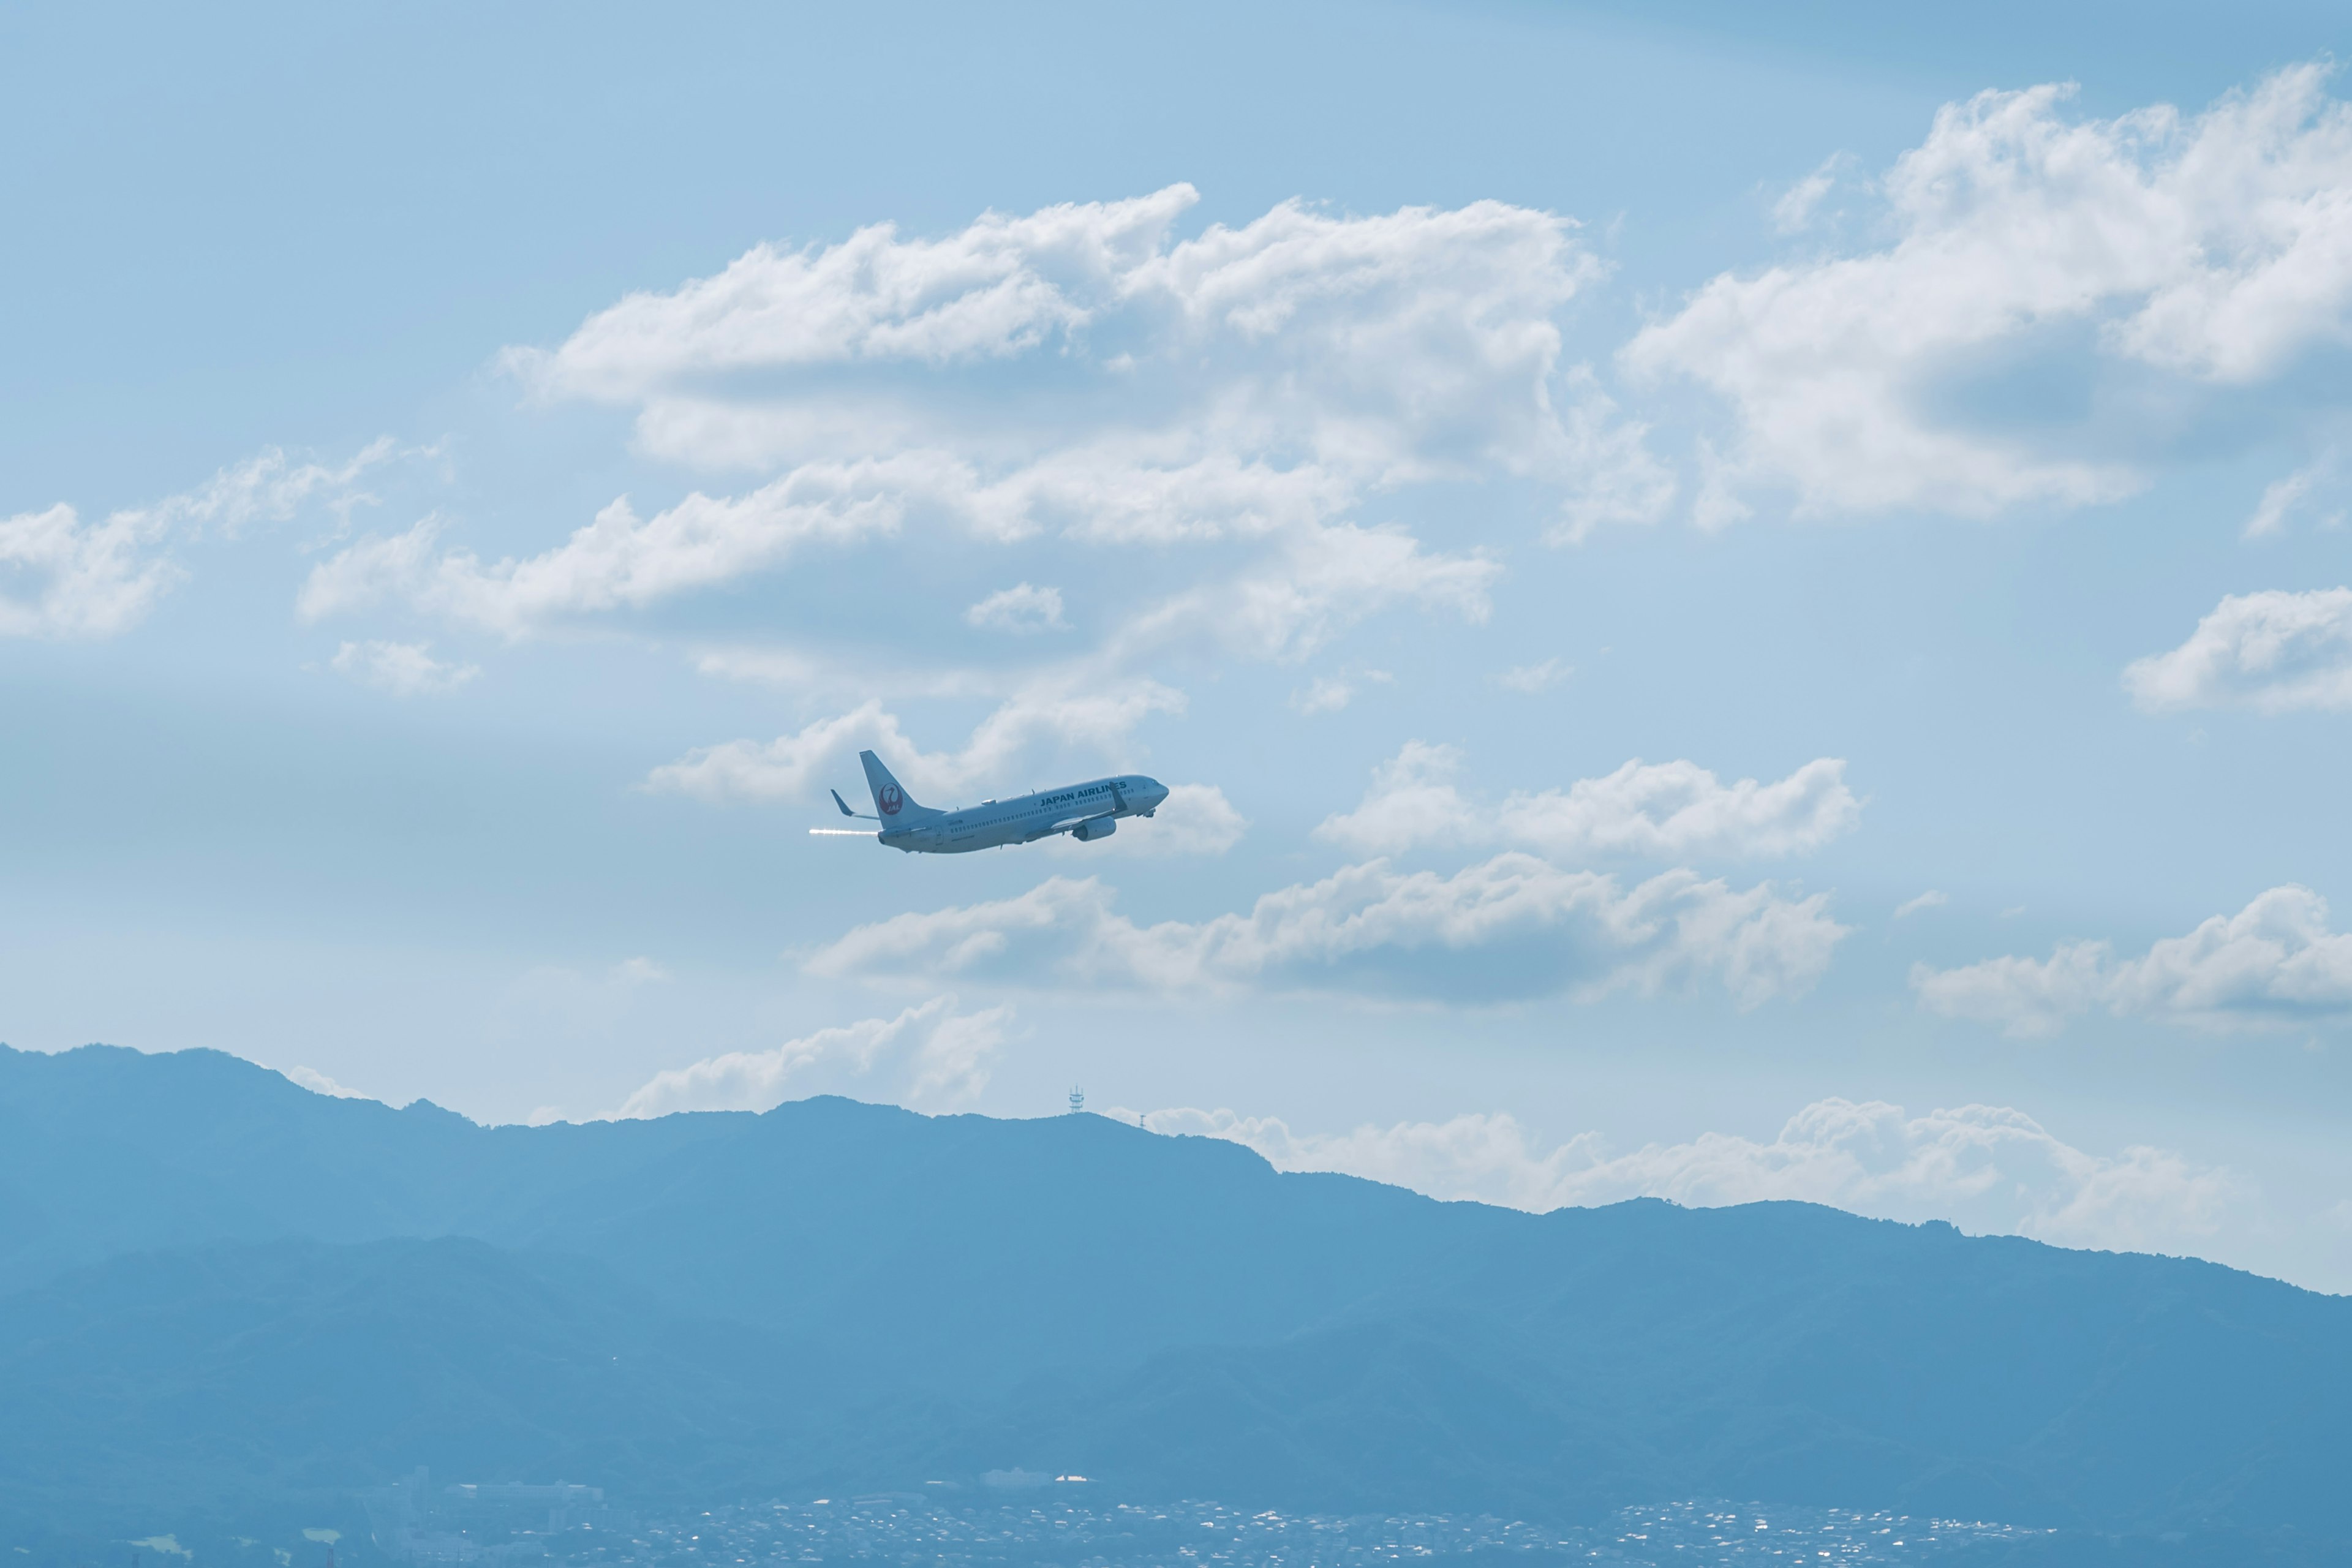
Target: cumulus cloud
x,y
1035,722
1511,927
1929,899
930,1056
401,669
1019,609
1617,479
1326,326
62,575
1534,680
1990,1168
999,287
1662,810
2273,652
2215,248
1245,384
2028,997
1322,582
2275,963
619,560
1195,819
271,487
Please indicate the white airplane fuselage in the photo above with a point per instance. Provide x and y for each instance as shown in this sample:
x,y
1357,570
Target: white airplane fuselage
x,y
1085,811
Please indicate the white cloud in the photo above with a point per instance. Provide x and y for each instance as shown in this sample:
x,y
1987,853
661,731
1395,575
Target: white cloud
x,y
2027,997
1323,582
2215,247
268,487
1028,732
2275,963
1331,693
1989,1168
2279,498
1041,722
318,1082
930,1056
620,561
1324,694
997,289
2282,498
639,971
1195,819
1794,212
1391,342
1019,609
373,569
1534,680
1249,383
1929,899
1511,927
2274,652
767,666
61,576
1617,479
401,669
812,674
1664,810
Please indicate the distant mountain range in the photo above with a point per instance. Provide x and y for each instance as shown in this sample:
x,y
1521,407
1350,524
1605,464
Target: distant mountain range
x,y
222,1295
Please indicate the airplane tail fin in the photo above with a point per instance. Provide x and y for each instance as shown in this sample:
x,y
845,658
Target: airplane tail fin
x,y
891,803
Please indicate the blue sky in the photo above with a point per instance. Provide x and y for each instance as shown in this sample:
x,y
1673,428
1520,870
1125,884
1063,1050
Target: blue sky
x,y
1735,616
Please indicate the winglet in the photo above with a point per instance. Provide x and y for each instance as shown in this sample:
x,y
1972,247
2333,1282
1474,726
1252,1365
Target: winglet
x,y
841,803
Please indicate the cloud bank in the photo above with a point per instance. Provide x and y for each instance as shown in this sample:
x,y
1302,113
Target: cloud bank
x,y
1663,810
1508,928
1247,383
930,1056
2210,250
2272,964
1989,1168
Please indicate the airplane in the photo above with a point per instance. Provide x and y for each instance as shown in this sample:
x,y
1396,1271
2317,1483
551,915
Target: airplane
x,y
1086,812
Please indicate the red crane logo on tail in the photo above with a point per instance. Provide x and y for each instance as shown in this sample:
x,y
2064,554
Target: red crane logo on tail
x,y
890,799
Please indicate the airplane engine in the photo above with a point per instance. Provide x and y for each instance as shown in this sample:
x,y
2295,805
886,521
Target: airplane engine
x,y
1087,832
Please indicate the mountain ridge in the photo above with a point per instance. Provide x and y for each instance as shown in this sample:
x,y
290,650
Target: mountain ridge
x,y
851,1296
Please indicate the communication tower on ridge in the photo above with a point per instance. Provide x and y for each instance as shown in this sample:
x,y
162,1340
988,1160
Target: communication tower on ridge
x,y
1077,1099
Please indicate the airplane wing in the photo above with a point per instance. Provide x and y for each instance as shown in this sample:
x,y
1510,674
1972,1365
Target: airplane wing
x,y
1064,825
845,832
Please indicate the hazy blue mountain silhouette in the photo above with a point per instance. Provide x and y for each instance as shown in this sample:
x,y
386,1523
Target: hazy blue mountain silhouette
x,y
304,1365
210,1293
